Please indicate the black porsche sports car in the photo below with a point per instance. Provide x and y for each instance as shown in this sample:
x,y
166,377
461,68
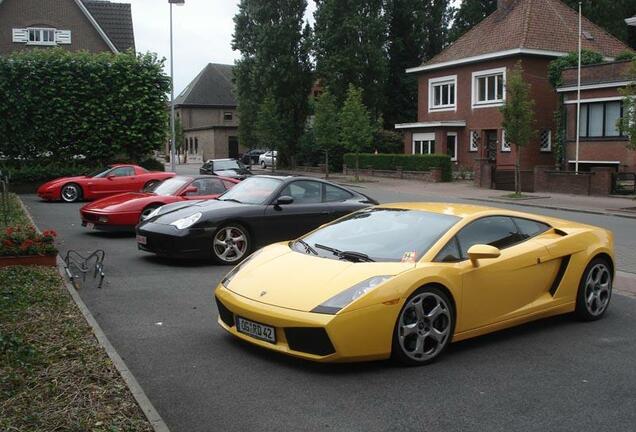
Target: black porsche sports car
x,y
225,168
258,211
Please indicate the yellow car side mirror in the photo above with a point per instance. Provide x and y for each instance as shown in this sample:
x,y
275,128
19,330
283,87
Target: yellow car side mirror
x,y
481,251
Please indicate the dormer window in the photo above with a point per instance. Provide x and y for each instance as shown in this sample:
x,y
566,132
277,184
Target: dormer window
x,y
41,36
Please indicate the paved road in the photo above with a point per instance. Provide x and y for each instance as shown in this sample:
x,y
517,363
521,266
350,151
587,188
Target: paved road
x,y
555,375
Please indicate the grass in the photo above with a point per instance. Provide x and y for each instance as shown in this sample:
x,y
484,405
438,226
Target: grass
x,y
15,214
53,373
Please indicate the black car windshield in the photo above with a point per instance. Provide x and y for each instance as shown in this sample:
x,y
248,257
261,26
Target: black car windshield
x,y
100,172
225,165
382,234
170,186
254,190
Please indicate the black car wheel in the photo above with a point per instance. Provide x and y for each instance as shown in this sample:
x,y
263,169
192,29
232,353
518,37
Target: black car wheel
x,y
424,327
71,193
595,290
231,244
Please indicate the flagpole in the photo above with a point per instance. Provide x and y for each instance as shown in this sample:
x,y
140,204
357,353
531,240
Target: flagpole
x,y
578,101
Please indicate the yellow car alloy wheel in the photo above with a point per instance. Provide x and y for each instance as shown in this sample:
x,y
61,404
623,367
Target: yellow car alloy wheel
x,y
424,327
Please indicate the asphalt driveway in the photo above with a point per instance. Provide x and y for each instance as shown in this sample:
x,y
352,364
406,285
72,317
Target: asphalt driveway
x,y
552,375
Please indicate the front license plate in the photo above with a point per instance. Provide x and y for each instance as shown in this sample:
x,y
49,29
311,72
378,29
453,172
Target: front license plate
x,y
256,330
90,225
142,240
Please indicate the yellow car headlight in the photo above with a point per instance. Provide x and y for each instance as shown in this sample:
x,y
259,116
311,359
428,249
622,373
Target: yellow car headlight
x,y
339,301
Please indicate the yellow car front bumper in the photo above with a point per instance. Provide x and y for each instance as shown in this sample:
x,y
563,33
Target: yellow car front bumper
x,y
359,335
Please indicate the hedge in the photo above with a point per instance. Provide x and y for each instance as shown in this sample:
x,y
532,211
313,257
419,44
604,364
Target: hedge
x,y
57,106
406,162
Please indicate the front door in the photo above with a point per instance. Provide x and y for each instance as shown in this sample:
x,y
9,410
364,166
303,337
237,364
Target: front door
x,y
233,147
491,146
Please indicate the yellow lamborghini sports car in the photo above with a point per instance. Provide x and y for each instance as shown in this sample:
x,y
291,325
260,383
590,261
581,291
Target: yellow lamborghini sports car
x,y
404,280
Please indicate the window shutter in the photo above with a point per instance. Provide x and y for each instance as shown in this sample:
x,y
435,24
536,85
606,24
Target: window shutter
x,y
63,37
20,35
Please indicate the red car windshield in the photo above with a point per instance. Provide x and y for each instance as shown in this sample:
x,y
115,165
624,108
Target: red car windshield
x,y
170,186
100,172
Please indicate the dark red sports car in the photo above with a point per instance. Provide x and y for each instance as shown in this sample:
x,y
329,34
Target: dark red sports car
x,y
124,211
114,179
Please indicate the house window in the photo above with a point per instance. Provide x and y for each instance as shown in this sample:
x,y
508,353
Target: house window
x,y
598,120
196,145
451,145
442,93
41,36
546,140
505,144
474,141
227,116
424,143
489,87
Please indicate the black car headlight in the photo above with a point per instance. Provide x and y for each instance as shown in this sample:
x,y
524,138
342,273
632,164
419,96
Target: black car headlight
x,y
186,222
228,277
339,301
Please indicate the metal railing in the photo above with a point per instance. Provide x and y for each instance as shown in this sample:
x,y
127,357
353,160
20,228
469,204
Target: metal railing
x,y
78,267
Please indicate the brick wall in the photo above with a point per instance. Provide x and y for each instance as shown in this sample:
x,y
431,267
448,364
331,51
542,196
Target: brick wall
x,y
596,182
482,119
59,14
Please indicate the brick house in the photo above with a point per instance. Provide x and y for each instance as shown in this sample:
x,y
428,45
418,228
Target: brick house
x,y
461,89
207,109
601,143
91,25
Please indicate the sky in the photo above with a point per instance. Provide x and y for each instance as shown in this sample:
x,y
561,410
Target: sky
x,y
202,33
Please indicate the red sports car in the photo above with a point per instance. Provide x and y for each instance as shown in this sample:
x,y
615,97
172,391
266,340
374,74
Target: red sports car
x,y
114,179
124,211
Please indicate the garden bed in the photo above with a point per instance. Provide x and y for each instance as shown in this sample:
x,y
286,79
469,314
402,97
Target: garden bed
x,y
53,373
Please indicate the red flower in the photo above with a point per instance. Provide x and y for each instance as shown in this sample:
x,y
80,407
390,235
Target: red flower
x,y
9,231
49,233
7,243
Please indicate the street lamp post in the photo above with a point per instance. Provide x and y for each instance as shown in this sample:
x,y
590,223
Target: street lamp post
x,y
173,146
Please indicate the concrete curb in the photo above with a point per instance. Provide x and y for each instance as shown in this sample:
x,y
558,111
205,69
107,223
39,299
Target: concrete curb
x,y
549,207
131,382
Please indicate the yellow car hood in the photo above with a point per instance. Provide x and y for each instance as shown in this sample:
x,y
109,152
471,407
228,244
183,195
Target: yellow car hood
x,y
281,277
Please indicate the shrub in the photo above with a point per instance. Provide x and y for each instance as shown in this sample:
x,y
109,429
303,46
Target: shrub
x,y
152,164
626,55
406,162
57,105
40,172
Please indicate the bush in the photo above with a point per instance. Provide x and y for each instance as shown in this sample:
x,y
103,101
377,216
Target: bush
x,y
406,162
152,164
57,105
626,55
40,172
387,141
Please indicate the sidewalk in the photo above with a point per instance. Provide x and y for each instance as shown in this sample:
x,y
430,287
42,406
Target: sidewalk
x,y
613,206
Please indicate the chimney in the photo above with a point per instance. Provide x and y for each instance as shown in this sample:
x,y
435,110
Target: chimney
x,y
504,4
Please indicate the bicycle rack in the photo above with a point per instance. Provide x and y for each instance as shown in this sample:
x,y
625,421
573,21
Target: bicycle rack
x,y
93,263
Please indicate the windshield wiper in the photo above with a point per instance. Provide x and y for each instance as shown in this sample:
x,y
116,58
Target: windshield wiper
x,y
347,255
307,247
230,199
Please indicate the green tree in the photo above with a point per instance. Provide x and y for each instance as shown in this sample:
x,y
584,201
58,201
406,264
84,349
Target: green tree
x,y
57,104
274,43
325,127
349,46
356,131
269,128
608,14
417,31
627,123
518,117
469,14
